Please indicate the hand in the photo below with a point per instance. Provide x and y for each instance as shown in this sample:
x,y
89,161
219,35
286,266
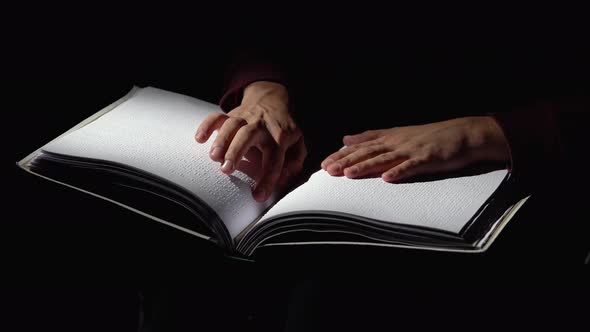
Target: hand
x,y
404,152
262,122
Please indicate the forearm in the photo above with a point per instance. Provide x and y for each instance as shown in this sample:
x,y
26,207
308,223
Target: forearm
x,y
249,67
532,135
540,136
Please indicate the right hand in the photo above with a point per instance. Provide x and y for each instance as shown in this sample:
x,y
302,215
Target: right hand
x,y
261,122
400,153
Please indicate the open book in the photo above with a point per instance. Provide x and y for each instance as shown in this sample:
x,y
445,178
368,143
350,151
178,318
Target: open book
x,y
140,153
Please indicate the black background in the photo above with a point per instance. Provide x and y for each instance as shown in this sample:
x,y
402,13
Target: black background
x,y
71,261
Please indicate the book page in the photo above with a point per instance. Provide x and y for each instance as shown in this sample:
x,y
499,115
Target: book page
x,y
445,204
154,131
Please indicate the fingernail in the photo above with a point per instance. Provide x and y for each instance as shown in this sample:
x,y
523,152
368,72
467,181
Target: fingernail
x,y
217,152
327,162
200,136
388,176
352,171
228,166
334,168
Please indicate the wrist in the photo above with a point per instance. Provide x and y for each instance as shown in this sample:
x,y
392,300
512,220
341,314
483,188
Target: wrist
x,y
265,90
488,138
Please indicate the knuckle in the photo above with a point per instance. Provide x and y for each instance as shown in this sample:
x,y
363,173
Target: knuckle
x,y
342,153
389,157
428,156
236,110
358,163
383,157
289,135
214,116
207,123
223,134
237,121
378,160
366,150
283,137
333,156
231,154
363,166
373,149
254,114
405,166
346,161
218,116
418,161
221,139
339,156
232,150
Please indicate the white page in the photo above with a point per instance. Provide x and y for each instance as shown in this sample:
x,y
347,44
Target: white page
x,y
446,204
154,131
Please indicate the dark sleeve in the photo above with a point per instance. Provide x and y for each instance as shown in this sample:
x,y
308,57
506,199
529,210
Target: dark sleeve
x,y
532,136
248,66
543,138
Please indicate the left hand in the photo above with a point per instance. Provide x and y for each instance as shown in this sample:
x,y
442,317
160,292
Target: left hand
x,y
400,153
260,126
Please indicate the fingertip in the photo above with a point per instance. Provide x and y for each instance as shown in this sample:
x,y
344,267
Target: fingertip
x,y
388,177
351,172
217,153
227,167
260,195
334,169
200,137
326,163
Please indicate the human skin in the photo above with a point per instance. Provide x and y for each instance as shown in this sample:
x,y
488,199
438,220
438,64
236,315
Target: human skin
x,y
400,153
261,126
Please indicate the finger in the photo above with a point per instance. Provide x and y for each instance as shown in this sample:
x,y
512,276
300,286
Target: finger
x,y
254,156
211,123
284,178
272,161
285,134
368,135
295,156
294,160
375,165
251,164
343,153
240,144
364,153
405,170
225,136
